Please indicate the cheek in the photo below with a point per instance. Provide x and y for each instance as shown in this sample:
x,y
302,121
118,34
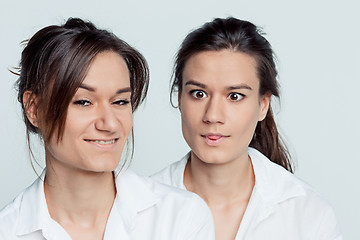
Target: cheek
x,y
77,121
189,115
246,120
129,125
126,121
72,136
188,122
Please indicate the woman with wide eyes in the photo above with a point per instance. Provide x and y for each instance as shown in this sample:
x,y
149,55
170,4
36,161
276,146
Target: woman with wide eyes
x,y
78,88
225,77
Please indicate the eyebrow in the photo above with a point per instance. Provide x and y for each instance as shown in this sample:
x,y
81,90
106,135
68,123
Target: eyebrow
x,y
91,89
239,86
86,87
191,82
123,90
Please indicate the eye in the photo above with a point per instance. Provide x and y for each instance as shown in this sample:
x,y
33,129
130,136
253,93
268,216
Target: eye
x,y
82,103
198,94
121,102
235,97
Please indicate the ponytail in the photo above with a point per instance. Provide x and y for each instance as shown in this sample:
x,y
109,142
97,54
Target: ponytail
x,y
268,141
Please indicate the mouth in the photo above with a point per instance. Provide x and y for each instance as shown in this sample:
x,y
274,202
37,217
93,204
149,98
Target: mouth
x,y
214,139
102,143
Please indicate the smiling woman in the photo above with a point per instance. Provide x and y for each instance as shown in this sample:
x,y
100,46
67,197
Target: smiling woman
x,y
98,121
78,88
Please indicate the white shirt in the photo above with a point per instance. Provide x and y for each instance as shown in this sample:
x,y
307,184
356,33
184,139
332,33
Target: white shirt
x,y
143,209
281,206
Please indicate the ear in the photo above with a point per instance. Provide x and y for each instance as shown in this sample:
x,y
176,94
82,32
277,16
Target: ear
x,y
264,106
30,103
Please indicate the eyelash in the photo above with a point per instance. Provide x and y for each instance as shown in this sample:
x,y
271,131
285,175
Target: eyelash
x,y
82,102
195,91
237,94
85,103
122,102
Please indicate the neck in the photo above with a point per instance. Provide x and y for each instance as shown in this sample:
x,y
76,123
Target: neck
x,y
220,184
79,197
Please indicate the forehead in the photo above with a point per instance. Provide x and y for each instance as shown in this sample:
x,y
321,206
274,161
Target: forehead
x,y
221,68
107,68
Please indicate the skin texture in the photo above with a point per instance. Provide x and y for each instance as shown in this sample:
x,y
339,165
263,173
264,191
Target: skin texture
x,y
220,107
97,112
79,182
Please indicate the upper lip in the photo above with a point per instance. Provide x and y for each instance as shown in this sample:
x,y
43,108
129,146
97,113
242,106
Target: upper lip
x,y
214,134
99,139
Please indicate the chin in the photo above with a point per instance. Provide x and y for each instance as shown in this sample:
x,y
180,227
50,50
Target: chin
x,y
212,157
103,166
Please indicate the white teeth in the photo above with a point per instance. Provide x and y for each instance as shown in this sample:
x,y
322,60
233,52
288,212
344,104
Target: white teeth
x,y
105,142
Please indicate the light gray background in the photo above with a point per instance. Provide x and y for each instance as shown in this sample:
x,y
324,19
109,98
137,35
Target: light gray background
x,y
317,44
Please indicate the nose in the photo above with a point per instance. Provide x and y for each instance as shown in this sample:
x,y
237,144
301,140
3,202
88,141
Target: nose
x,y
214,111
106,119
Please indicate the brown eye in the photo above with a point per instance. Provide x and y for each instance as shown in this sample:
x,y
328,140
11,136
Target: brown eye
x,y
82,103
235,97
198,94
121,102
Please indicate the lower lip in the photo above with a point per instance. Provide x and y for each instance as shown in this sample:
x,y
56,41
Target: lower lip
x,y
106,147
214,141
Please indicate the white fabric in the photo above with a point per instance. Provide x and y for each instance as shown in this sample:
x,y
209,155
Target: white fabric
x,y
143,209
281,205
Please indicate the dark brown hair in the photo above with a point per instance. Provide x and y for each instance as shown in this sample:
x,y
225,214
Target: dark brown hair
x,y
245,37
54,64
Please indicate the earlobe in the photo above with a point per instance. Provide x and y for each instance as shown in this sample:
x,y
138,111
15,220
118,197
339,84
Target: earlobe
x,y
30,104
264,106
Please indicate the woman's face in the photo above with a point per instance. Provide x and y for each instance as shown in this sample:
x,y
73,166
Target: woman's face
x,y
220,104
99,119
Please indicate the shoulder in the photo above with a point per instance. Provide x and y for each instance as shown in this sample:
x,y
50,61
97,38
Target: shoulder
x,y
294,199
308,199
313,207
312,212
279,184
173,195
136,185
22,215
188,212
173,174
182,213
275,181
9,216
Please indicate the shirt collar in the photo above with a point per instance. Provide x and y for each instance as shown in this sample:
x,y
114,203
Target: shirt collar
x,y
178,169
134,194
273,183
33,213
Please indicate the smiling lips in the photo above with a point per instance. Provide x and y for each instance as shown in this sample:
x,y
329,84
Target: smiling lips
x,y
102,143
214,139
